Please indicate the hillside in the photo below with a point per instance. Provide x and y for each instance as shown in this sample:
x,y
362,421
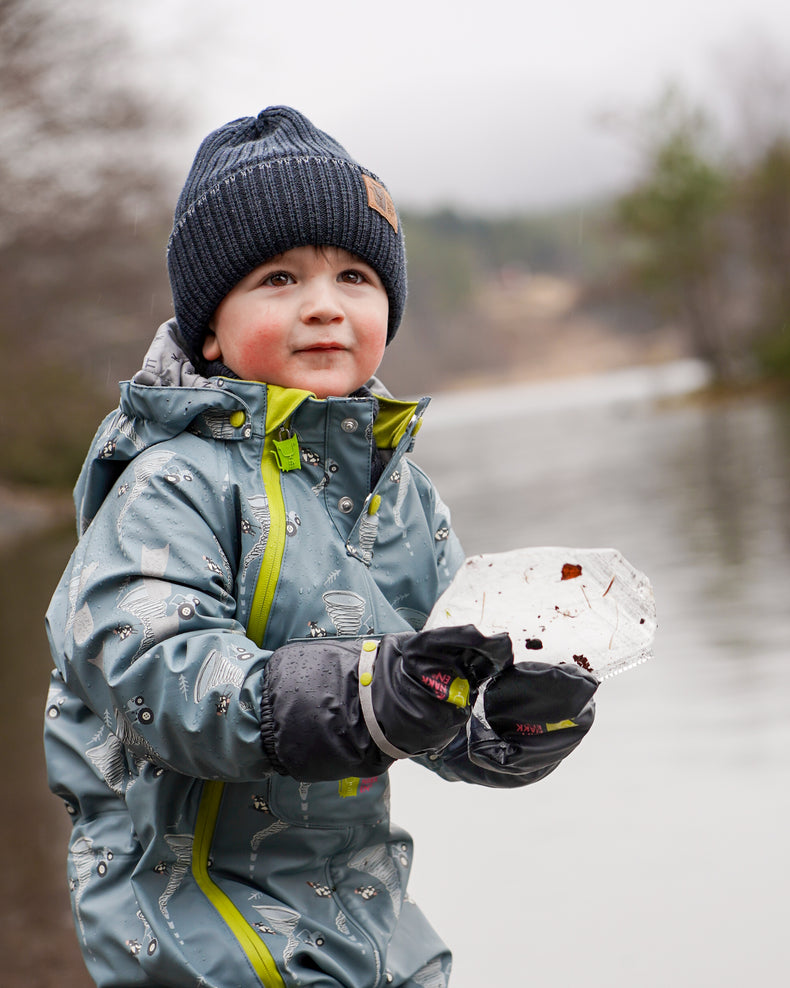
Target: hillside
x,y
516,298
522,327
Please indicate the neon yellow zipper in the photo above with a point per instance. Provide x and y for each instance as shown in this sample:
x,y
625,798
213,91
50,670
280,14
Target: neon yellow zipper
x,y
257,953
279,406
263,598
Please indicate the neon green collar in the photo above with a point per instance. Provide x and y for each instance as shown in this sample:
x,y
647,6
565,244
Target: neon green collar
x,y
390,427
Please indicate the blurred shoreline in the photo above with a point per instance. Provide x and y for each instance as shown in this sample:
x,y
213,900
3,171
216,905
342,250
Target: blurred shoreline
x,y
639,383
26,510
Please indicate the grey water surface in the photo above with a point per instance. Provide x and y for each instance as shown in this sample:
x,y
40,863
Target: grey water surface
x,y
657,854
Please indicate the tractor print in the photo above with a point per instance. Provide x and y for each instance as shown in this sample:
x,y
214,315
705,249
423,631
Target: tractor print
x,y
138,713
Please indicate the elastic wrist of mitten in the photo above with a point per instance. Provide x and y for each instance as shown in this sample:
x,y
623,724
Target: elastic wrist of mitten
x,y
267,734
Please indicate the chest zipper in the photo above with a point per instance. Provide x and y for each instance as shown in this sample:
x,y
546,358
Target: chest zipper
x,y
269,573
211,797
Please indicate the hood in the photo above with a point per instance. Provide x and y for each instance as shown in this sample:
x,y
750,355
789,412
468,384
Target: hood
x,y
165,397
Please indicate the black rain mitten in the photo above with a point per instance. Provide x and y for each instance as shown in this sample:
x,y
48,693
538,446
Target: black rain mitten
x,y
535,714
333,708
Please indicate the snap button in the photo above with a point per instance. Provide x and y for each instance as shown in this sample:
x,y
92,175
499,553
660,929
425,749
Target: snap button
x,y
349,425
345,504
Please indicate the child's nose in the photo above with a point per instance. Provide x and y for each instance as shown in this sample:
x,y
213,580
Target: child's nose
x,y
321,303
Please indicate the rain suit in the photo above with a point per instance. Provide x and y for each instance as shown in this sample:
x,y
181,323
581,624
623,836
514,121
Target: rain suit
x,y
219,520
204,546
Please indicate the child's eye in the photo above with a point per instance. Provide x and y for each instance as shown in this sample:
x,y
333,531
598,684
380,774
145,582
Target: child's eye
x,y
278,279
352,277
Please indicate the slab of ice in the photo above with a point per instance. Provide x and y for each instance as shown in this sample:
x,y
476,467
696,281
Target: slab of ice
x,y
588,606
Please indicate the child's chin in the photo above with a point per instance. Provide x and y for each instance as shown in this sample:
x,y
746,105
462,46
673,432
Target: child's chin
x,y
331,389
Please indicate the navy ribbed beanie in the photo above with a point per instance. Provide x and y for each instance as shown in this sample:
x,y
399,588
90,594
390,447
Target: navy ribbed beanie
x,y
261,185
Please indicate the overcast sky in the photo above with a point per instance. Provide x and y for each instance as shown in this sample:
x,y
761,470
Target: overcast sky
x,y
487,104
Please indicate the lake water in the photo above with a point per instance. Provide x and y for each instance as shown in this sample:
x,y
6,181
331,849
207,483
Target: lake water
x,y
657,854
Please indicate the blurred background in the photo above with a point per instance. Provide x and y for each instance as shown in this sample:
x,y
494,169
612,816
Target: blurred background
x,y
596,203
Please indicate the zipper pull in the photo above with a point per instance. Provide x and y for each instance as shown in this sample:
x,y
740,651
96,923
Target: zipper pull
x,y
286,450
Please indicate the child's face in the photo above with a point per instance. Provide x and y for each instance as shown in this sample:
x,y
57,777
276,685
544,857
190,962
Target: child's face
x,y
313,318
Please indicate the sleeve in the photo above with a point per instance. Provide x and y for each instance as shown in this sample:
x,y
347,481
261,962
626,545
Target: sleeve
x,y
448,552
143,626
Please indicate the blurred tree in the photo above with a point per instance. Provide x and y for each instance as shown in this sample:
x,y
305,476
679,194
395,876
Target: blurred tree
x,y
756,80
676,217
766,200
765,197
72,128
709,227
80,249
453,258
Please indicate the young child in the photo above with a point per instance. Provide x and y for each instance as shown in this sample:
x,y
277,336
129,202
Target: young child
x,y
237,636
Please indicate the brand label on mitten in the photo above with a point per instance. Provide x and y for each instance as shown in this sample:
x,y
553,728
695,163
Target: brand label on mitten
x,y
438,683
528,729
444,687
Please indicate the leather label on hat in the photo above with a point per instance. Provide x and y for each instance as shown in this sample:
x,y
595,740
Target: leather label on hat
x,y
379,199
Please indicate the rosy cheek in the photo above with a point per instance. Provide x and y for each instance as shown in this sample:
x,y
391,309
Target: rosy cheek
x,y
257,334
250,347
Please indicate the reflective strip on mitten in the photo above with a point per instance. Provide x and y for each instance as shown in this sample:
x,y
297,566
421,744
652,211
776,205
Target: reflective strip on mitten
x,y
456,693
367,662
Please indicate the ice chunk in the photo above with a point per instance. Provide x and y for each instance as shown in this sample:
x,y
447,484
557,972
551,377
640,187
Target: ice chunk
x,y
588,606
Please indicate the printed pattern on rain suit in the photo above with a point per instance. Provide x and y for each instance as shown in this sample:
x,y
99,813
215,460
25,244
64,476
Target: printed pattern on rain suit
x,y
205,546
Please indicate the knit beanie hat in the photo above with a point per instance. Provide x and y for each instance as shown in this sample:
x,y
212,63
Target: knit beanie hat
x,y
260,186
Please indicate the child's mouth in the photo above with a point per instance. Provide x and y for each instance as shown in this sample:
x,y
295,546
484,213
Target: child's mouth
x,y
321,348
